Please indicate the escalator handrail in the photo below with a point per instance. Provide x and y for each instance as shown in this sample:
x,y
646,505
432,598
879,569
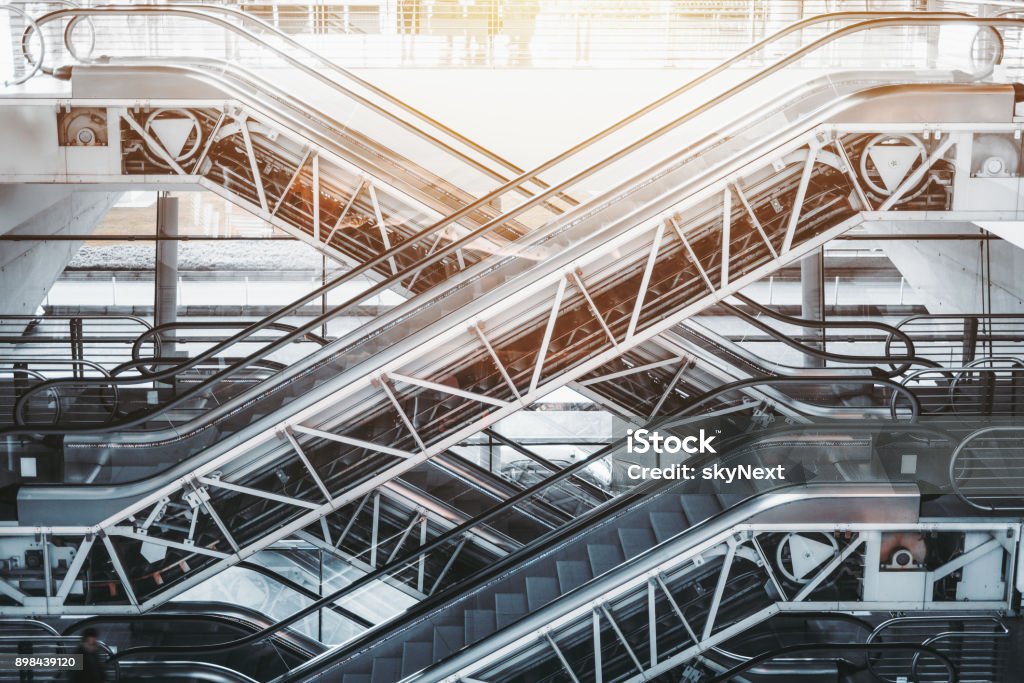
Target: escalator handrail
x,y
15,361
953,479
552,467
947,663
809,616
954,373
897,389
207,615
179,670
34,623
204,13
905,361
212,325
952,316
459,243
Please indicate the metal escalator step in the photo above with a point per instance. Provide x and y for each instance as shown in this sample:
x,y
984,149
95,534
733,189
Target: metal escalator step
x,y
447,639
509,607
356,678
386,670
604,557
635,541
540,590
700,506
415,656
571,574
480,623
737,492
666,524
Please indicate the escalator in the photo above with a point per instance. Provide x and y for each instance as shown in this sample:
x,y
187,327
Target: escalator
x,y
540,333
196,623
657,555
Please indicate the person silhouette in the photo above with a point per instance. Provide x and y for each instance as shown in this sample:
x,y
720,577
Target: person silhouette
x,y
93,670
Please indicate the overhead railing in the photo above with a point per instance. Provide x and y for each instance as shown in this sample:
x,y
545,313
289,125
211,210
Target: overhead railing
x,y
534,33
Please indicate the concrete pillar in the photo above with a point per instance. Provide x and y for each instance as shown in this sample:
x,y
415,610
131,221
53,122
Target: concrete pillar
x,y
28,269
812,300
165,297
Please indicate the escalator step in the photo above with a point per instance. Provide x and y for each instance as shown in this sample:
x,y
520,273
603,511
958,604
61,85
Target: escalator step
x,y
572,574
666,525
700,506
635,541
386,670
509,607
415,656
447,639
735,493
728,500
356,678
604,558
540,590
480,623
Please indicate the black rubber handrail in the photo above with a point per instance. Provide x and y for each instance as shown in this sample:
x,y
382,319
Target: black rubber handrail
x,y
205,13
905,361
527,453
240,623
955,316
201,325
913,402
803,616
436,256
946,662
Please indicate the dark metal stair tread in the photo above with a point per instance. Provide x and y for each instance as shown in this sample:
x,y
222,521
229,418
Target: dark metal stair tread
x,y
447,639
700,506
480,623
416,655
635,540
386,670
667,524
509,607
540,590
572,574
604,557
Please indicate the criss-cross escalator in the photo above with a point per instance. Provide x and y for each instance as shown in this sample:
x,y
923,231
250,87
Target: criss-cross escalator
x,y
229,465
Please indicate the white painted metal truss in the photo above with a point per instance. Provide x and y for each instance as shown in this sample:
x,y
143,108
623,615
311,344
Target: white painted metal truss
x,y
321,163
655,589
419,360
